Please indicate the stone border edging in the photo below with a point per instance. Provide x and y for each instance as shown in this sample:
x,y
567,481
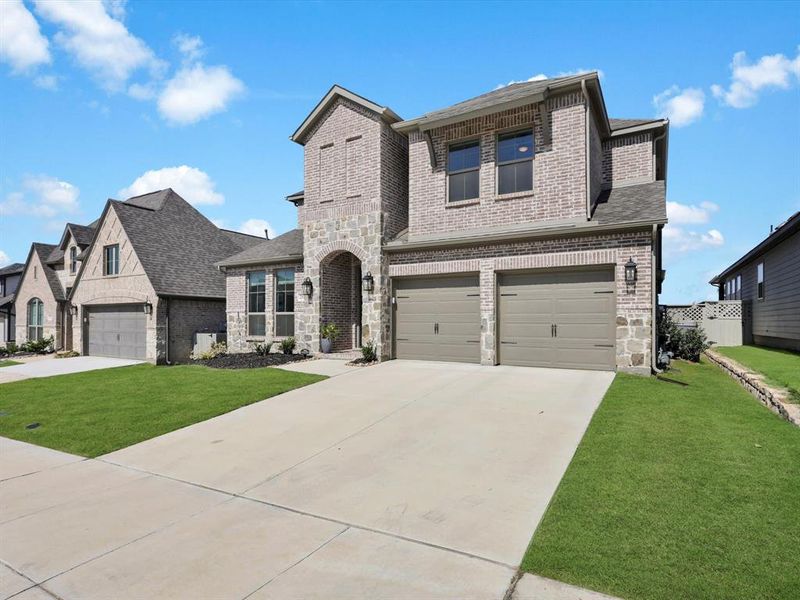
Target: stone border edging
x,y
753,382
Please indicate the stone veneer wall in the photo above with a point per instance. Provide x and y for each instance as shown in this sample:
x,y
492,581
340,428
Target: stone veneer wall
x,y
131,286
36,287
236,304
559,165
634,312
628,160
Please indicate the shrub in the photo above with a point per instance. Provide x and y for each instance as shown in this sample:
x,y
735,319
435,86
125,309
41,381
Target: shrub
x,y
263,349
67,354
42,346
330,331
12,347
287,345
216,349
692,343
369,352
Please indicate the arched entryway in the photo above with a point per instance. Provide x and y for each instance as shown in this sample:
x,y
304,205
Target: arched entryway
x,y
340,297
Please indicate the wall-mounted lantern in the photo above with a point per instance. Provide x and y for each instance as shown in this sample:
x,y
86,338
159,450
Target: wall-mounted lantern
x,y
73,310
630,271
308,288
148,308
368,283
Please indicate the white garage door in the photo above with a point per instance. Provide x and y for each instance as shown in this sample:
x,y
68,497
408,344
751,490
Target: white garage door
x,y
118,331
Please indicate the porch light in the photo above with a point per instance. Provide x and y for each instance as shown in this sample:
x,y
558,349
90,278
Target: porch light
x,y
368,283
308,287
148,308
630,271
73,310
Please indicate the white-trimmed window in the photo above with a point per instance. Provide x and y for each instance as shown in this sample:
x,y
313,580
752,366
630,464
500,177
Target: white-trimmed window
x,y
256,303
111,260
760,280
284,303
463,171
515,162
35,320
73,259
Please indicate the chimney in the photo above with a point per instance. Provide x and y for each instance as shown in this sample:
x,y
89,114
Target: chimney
x,y
771,229
266,233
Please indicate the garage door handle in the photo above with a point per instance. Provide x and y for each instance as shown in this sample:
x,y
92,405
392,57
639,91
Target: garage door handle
x,y
512,343
436,328
604,345
401,339
473,341
605,292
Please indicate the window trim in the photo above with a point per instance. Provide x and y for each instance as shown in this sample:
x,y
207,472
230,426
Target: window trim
x,y
760,278
73,259
276,291
497,163
106,273
465,142
248,312
39,325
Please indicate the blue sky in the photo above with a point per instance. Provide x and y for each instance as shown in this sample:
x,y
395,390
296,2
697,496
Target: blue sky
x,y
97,100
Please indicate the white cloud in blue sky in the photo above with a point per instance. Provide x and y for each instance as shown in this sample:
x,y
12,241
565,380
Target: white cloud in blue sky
x,y
41,196
22,44
192,184
681,107
748,80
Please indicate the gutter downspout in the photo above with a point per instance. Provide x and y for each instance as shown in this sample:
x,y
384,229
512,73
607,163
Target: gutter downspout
x,y
654,302
655,141
166,330
586,113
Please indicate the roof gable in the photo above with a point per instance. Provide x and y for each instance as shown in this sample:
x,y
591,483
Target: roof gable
x,y
42,252
336,92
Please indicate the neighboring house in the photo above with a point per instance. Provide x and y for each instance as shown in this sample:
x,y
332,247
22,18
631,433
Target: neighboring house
x,y
767,280
137,283
9,280
496,231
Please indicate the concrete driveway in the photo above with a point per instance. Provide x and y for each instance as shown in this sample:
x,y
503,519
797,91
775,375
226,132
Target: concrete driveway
x,y
49,366
403,480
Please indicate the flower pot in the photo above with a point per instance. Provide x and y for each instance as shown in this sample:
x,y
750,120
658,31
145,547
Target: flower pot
x,y
326,345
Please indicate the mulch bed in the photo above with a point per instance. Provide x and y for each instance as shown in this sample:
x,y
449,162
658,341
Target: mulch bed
x,y
250,360
362,362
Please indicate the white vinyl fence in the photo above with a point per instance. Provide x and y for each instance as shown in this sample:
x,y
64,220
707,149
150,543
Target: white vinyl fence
x,y
723,321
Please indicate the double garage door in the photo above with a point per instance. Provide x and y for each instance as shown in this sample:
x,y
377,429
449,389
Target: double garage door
x,y
116,330
544,319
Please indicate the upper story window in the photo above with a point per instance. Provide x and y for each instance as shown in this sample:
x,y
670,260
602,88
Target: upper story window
x,y
284,303
35,319
256,303
463,171
738,287
2,286
760,280
73,259
515,162
111,260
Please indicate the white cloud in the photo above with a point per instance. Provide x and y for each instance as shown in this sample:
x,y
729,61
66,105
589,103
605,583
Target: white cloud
x,y
116,8
681,107
190,46
748,79
5,259
100,43
257,227
688,213
46,82
143,91
194,185
42,196
197,92
678,240
22,45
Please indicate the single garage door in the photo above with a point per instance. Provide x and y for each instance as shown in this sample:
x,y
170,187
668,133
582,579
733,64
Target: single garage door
x,y
438,319
557,319
118,331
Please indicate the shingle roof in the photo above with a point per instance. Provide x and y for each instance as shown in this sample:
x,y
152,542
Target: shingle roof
x,y
56,256
503,95
630,204
82,234
288,246
12,269
44,251
176,245
6,300
243,240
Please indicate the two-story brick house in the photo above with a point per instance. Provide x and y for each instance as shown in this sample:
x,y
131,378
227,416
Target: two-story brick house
x,y
521,227
9,280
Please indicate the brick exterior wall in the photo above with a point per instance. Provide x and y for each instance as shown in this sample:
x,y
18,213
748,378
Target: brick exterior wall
x,y
634,309
628,160
341,302
595,160
236,305
36,287
559,165
187,317
131,286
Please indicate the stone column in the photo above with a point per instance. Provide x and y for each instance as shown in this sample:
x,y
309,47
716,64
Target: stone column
x,y
488,285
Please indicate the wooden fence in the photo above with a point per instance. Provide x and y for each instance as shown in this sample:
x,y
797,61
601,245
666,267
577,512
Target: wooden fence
x,y
724,322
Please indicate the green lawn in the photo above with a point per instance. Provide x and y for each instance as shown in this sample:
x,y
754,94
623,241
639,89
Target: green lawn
x,y
678,491
780,367
100,411
9,363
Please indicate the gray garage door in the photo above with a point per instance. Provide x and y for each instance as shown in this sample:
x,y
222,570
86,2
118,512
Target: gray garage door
x,y
119,331
557,319
438,319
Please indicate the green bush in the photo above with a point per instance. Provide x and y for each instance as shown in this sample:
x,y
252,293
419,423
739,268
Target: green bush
x,y
369,352
216,349
3,351
330,331
42,346
67,354
263,349
12,347
287,345
685,343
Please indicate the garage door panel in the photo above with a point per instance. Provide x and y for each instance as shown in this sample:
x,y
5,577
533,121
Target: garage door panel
x,y
583,333
118,331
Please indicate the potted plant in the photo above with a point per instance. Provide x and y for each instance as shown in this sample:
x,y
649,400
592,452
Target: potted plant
x,y
329,333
